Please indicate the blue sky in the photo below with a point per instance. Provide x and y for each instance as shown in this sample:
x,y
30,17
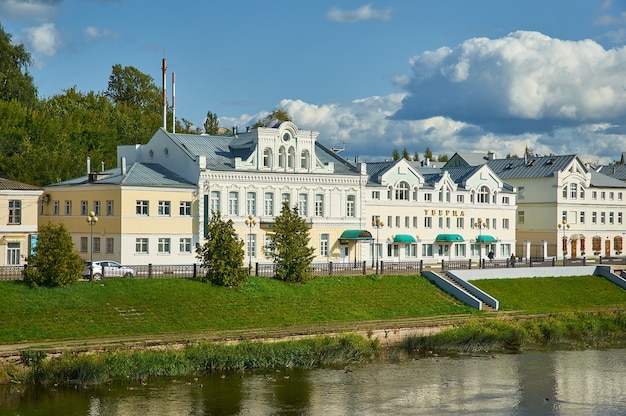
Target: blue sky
x,y
449,75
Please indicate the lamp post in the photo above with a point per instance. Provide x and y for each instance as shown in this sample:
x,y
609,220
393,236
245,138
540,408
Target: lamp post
x,y
250,222
563,226
378,224
480,225
91,220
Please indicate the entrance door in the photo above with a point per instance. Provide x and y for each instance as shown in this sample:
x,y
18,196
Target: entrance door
x,y
573,250
607,248
345,252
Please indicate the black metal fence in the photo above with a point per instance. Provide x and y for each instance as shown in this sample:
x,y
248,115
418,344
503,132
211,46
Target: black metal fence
x,y
151,271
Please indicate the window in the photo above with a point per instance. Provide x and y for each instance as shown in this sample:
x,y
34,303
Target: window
x,y
251,248
428,197
402,191
84,206
521,192
594,195
15,211
564,192
141,245
564,216
619,217
233,203
13,253
110,245
96,207
96,244
460,223
350,206
268,204
302,205
582,217
376,195
619,196
286,198
573,190
164,208
410,250
184,209
611,196
267,157
440,222
109,208
55,208
611,217
596,243
291,158
215,201
603,195
459,250
390,221
319,205
460,199
505,223
83,244
505,250
185,245
428,222
520,217
251,203
617,243
414,222
324,245
483,195
68,207
282,157
304,159
602,217
427,250
393,250
164,245
594,217
505,200
397,221
142,207
582,192
407,222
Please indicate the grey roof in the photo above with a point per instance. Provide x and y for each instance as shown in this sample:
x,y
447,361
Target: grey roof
x,y
601,180
533,167
474,159
137,174
10,185
614,171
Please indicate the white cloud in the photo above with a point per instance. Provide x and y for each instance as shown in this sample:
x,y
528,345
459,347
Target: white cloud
x,y
92,33
362,13
43,40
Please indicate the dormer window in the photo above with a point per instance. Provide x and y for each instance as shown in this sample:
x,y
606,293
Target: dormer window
x,y
282,157
291,158
304,159
267,158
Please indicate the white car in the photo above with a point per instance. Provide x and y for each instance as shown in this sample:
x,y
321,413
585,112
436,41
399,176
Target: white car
x,y
108,269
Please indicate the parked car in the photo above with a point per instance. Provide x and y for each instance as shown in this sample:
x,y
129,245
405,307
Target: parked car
x,y
108,269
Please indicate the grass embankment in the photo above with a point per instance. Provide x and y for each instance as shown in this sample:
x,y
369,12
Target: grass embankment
x,y
134,307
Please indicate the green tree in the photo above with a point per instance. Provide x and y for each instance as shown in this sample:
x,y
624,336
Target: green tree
x,y
289,246
428,154
16,84
416,156
132,87
222,253
442,158
211,124
405,154
395,155
55,263
277,116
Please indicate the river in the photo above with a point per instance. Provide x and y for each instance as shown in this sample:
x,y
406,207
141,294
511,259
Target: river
x,y
567,383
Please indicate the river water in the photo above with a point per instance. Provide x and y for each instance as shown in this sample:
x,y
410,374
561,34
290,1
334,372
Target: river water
x,y
566,383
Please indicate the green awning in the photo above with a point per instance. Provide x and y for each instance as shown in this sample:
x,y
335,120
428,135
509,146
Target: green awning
x,y
449,237
486,239
403,238
356,235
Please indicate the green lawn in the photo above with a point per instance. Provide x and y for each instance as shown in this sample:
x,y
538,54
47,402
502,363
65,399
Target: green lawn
x,y
144,306
554,294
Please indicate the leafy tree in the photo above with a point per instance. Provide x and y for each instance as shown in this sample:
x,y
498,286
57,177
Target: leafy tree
x,y
442,158
289,246
416,156
395,155
405,154
222,253
16,84
132,87
55,263
428,154
187,127
277,116
211,124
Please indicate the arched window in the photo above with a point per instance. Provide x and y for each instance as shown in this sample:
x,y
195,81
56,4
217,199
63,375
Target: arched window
x,y
267,157
617,243
291,158
596,244
402,191
282,157
564,192
304,159
483,195
582,192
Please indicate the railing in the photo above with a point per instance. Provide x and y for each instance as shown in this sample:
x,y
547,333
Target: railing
x,y
11,272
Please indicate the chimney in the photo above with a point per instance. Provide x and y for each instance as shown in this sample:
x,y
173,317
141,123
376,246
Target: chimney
x,y
88,165
102,166
123,163
491,155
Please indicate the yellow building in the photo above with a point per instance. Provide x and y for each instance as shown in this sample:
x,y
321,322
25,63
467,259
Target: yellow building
x,y
18,227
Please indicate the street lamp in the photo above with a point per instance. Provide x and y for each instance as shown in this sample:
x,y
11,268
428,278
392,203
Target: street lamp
x,y
91,220
480,225
250,222
378,224
563,226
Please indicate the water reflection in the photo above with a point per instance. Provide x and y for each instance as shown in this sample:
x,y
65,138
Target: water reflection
x,y
561,383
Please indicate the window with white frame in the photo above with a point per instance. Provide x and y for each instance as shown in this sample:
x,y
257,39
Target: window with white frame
x,y
350,206
376,195
109,208
611,217
410,250
324,245
505,200
184,209
251,245
602,217
15,211
304,159
286,197
427,250
110,245
267,157
402,191
291,158
393,250
184,245
582,217
163,246
428,222
414,222
483,195
233,203
619,217
14,253
214,202
460,223
268,204
68,207
303,205
505,223
164,208
84,207
141,245
251,203
594,217
142,207
459,250
428,197
460,199
319,205
96,207
505,250
282,157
